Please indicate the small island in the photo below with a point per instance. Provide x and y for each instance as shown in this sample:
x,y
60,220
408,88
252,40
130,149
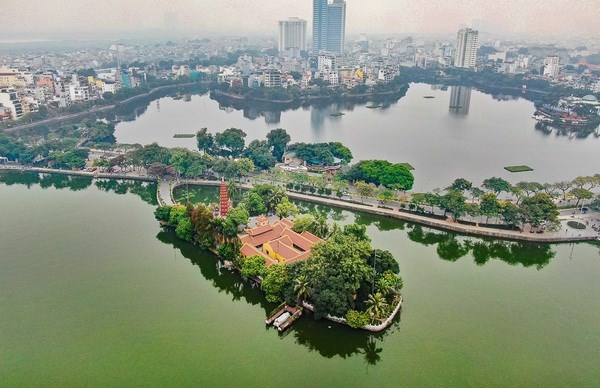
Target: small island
x,y
290,256
184,135
521,168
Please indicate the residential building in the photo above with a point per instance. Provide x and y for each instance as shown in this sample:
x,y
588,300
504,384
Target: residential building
x,y
78,93
551,66
9,99
271,78
326,61
292,34
467,43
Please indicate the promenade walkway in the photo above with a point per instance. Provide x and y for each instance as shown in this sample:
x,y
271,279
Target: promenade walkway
x,y
546,237
164,194
165,190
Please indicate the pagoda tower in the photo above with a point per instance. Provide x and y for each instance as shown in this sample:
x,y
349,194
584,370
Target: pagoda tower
x,y
223,200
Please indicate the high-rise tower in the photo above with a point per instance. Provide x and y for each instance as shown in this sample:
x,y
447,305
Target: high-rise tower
x,y
336,26
467,43
319,37
292,34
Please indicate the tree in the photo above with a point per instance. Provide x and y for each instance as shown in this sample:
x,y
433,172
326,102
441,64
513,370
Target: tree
x,y
205,140
381,172
244,166
489,206
274,281
539,209
258,151
185,230
320,227
162,213
357,231
239,215
301,288
529,187
230,142
461,184
152,153
253,266
161,170
285,208
364,189
278,139
385,195
378,306
303,223
255,204
563,187
357,319
497,185
336,270
580,194
454,202
476,192
202,220
510,212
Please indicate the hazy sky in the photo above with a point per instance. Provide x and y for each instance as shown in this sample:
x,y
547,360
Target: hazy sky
x,y
238,17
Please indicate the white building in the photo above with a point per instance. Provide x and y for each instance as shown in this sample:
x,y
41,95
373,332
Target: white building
x,y
10,100
271,78
551,66
467,43
109,87
326,61
292,34
78,93
497,56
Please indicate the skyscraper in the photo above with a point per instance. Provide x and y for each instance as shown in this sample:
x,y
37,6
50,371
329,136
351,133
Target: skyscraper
x,y
292,34
336,26
467,43
319,38
329,26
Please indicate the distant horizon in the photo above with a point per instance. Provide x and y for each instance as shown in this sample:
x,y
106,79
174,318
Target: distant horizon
x,y
52,19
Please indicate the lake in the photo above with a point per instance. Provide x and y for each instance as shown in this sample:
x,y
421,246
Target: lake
x,y
461,132
93,292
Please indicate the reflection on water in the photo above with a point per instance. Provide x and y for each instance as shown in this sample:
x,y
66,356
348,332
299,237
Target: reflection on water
x,y
452,247
145,190
460,100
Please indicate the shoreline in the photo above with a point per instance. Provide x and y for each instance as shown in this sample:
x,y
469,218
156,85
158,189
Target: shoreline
x,y
470,230
70,116
308,99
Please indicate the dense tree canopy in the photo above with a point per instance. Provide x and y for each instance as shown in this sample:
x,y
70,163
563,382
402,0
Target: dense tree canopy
x,y
381,172
321,153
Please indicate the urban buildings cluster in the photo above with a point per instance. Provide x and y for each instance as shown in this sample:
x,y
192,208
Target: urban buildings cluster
x,y
54,79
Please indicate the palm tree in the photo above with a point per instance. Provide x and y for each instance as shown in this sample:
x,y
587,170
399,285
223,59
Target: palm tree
x,y
302,288
377,306
319,227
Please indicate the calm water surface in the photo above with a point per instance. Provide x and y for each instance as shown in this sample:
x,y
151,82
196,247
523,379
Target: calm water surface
x,y
475,141
93,292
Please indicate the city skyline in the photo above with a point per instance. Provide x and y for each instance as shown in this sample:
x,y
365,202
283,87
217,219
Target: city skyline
x,y
39,19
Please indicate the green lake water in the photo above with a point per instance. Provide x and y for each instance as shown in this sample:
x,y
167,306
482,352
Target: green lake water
x,y
93,292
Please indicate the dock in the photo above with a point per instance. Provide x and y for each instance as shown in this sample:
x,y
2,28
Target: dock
x,y
291,314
